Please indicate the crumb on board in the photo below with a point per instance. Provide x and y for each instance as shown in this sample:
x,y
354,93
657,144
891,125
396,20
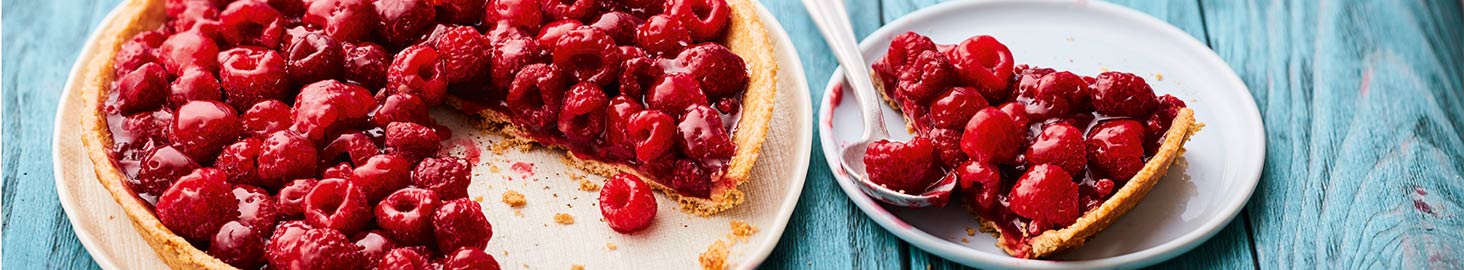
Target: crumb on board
x,y
478,198
715,257
518,212
493,168
513,198
563,218
741,230
587,185
611,246
576,267
1158,76
1103,69
965,240
970,231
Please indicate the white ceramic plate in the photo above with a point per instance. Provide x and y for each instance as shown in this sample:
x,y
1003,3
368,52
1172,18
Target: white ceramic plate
x,y
1201,193
523,235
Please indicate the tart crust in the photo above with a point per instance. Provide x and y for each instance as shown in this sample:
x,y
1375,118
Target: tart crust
x,y
746,37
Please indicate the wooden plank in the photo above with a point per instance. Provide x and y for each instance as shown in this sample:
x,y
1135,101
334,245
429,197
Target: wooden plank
x,y
1362,107
41,41
827,231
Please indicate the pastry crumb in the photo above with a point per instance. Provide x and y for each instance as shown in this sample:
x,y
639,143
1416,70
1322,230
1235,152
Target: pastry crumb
x,y
1103,69
715,257
513,198
518,212
563,218
611,246
478,198
741,230
965,240
493,168
970,231
1158,76
587,185
576,267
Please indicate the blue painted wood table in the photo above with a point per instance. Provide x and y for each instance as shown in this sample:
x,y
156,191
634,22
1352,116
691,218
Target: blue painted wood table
x,y
1363,104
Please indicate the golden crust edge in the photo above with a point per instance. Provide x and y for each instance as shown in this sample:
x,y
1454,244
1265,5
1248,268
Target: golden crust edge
x,y
133,17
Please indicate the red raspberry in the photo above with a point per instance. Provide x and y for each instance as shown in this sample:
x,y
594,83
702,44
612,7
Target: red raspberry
x,y
582,118
238,245
141,49
901,166
238,161
355,147
325,248
199,15
627,203
652,132
536,95
366,64
326,107
313,57
619,25
292,198
903,49
400,108
947,145
194,84
703,136
203,128
189,49
1123,94
706,19
618,144
373,245
448,177
341,170
1057,95
256,208
283,246
955,107
285,156
143,89
401,22
343,20
637,71
252,74
153,127
1116,148
674,93
980,183
411,140
404,259
462,12
266,117
469,258
992,136
161,168
460,223
1159,122
1046,194
380,175
510,57
721,72
588,55
252,23
464,53
568,9
1059,144
525,14
197,205
1017,111
550,33
289,8
337,204
639,8
926,75
985,63
662,35
418,70
691,179
406,215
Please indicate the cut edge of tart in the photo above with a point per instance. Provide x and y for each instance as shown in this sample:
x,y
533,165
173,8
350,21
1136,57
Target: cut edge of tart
x,y
747,37
133,17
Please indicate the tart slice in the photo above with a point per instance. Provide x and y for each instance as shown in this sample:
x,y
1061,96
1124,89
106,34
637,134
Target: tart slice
x,y
1045,159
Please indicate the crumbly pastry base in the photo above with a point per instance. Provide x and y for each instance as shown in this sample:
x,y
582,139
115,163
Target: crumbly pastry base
x,y
746,37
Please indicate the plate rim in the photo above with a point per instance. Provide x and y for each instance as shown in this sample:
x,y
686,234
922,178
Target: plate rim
x,y
87,242
1231,205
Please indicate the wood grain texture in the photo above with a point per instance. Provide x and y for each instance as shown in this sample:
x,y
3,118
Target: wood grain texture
x,y
1361,102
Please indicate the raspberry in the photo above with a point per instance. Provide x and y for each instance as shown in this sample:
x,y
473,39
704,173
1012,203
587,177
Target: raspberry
x,y
252,23
341,170
199,15
1159,122
525,14
925,76
203,128
464,53
285,156
460,223
947,145
536,95
189,49
141,49
326,107
639,8
252,74
337,204
463,12
366,64
1057,95
1017,111
401,22
582,118
373,245
550,33
1060,144
652,132
313,57
691,179
256,208
355,147
418,70
161,168
448,177
1123,94
980,183
400,108
662,35
292,198
985,63
197,205
903,49
143,89
627,203
194,84
901,166
992,136
324,248
1046,194
955,107
238,161
380,175
1116,148
404,259
289,8
238,245
619,25
637,71
568,9
283,246
703,135
266,117
412,141
469,258
706,19
406,215
721,72
343,20
155,126
617,136
675,92
588,55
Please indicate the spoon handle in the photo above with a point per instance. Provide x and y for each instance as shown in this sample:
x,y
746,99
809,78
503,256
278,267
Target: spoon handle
x,y
833,21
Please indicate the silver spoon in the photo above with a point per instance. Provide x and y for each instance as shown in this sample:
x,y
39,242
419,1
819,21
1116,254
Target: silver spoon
x,y
833,21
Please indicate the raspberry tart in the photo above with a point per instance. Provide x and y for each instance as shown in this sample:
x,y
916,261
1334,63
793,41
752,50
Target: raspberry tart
x,y
294,134
1043,158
